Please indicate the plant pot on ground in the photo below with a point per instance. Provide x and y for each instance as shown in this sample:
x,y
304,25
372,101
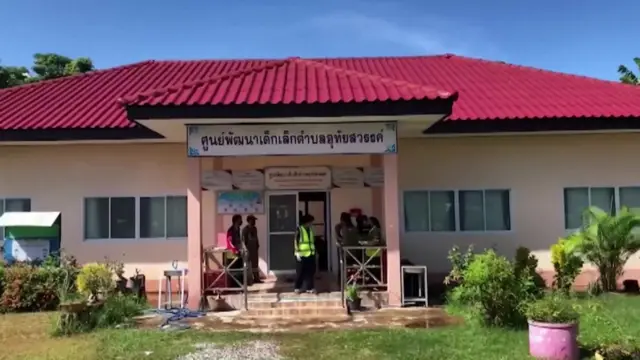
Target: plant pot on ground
x,y
354,302
553,328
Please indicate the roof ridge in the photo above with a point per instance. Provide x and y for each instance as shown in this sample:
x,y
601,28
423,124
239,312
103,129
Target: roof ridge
x,y
76,76
378,77
193,83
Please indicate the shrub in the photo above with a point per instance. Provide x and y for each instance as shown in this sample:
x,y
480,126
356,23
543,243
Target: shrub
x,y
116,310
29,288
493,291
607,241
567,265
552,309
95,279
525,265
459,263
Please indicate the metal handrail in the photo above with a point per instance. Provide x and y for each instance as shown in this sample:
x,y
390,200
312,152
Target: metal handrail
x,y
362,266
239,276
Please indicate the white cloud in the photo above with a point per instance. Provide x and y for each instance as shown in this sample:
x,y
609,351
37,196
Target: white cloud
x,y
428,36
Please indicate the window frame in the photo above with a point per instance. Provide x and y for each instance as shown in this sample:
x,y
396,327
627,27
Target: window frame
x,y
616,199
166,223
456,198
137,236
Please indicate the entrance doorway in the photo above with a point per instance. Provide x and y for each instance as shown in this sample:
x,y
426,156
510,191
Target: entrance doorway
x,y
283,218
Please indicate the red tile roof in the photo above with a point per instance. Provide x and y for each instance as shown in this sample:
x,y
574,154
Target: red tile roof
x,y
290,81
486,89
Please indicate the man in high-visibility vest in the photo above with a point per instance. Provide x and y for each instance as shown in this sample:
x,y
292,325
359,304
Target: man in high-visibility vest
x,y
305,253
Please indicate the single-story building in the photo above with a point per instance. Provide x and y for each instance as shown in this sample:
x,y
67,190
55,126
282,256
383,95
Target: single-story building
x,y
148,162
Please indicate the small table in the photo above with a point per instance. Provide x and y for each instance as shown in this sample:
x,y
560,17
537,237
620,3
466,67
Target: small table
x,y
181,274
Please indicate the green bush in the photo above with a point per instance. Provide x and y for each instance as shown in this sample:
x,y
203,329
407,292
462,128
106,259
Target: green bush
x,y
493,292
525,265
119,309
30,288
567,265
607,241
459,263
116,310
95,279
552,309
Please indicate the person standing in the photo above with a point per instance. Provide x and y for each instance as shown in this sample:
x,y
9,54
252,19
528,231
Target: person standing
x,y
250,239
305,252
233,255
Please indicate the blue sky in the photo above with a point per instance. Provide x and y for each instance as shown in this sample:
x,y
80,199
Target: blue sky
x,y
589,37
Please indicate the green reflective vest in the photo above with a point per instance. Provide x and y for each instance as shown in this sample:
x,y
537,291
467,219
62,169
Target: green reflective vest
x,y
306,243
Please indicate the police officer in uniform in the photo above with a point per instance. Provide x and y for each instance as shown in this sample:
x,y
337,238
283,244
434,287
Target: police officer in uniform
x,y
305,253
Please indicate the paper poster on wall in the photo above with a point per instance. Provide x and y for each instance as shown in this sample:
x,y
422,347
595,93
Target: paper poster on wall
x,y
374,176
30,250
216,180
248,179
298,178
240,202
347,177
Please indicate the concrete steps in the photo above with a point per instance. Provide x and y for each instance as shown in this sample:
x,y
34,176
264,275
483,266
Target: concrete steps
x,y
292,305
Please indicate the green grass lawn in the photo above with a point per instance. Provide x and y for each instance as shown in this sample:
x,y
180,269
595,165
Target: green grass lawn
x,y
25,336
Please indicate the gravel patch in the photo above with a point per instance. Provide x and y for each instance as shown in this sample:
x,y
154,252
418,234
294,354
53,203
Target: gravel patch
x,y
252,350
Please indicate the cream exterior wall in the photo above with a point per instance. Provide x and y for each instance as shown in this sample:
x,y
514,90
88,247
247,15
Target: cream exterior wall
x,y
59,177
535,168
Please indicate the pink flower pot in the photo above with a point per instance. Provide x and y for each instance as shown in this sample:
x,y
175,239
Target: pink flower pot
x,y
553,341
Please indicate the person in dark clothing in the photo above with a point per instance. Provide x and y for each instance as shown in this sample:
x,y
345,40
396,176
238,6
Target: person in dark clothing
x,y
305,253
250,240
343,227
234,247
363,225
375,232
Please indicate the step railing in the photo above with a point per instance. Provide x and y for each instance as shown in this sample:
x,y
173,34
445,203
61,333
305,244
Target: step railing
x,y
228,270
362,266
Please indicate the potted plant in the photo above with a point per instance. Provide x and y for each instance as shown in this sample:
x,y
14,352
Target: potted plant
x,y
553,328
354,302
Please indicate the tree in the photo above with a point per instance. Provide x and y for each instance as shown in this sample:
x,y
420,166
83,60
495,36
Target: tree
x,y
46,66
627,76
12,76
607,241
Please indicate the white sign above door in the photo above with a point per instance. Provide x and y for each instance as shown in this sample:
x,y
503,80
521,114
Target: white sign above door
x,y
292,139
298,178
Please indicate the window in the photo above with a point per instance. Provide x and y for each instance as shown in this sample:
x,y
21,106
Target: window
x,y
578,199
110,218
609,199
131,217
630,197
7,205
163,217
484,210
429,211
465,210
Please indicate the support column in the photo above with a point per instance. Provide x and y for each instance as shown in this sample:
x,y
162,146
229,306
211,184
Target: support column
x,y
392,226
194,232
377,193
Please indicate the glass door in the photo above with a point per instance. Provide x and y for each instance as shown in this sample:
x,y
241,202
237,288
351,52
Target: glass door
x,y
282,218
